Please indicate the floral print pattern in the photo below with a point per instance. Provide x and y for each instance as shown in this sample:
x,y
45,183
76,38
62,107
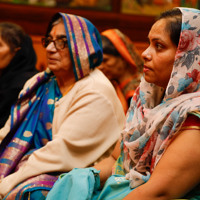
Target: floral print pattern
x,y
155,115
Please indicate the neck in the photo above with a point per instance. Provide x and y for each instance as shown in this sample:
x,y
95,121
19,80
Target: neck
x,y
65,82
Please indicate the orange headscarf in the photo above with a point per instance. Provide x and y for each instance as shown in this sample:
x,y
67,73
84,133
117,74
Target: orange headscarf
x,y
127,50
125,47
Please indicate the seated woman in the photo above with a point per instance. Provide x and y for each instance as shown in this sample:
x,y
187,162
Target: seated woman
x,y
67,116
121,64
17,65
159,157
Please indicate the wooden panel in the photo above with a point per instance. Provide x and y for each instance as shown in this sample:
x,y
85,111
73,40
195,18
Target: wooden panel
x,y
34,19
141,46
40,52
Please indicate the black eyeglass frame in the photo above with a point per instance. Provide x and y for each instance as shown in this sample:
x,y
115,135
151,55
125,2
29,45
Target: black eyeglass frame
x,y
59,43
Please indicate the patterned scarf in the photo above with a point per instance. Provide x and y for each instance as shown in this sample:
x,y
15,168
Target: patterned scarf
x,y
152,121
84,42
32,116
30,130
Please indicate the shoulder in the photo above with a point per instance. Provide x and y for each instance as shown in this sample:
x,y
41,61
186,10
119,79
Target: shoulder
x,y
33,79
96,88
97,77
192,122
96,83
189,127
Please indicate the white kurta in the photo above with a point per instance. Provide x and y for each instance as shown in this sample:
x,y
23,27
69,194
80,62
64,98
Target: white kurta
x,y
87,123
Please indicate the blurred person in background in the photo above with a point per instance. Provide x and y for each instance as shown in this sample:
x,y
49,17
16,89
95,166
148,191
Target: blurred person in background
x,y
17,65
67,116
121,64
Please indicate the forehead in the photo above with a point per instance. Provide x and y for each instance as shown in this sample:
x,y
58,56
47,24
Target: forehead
x,y
159,30
58,29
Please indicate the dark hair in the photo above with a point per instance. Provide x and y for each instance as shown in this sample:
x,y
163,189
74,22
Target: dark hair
x,y
108,47
173,24
12,34
57,18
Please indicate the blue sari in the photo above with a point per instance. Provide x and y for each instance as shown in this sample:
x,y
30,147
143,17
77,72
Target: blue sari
x,y
34,130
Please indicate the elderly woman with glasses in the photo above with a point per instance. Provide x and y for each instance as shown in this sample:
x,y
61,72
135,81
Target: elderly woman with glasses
x,y
67,116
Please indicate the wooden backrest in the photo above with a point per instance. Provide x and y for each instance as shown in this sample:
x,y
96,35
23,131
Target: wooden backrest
x,y
40,52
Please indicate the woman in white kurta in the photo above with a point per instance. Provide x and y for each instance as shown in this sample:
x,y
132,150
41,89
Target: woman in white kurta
x,y
158,155
68,116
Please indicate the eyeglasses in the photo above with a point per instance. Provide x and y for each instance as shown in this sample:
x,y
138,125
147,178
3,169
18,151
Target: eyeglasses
x,y
59,43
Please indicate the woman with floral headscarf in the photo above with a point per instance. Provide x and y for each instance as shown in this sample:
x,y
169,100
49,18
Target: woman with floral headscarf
x,y
67,116
122,64
159,157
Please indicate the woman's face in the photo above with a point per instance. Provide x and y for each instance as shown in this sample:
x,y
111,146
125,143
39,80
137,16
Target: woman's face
x,y
5,54
112,66
159,56
58,60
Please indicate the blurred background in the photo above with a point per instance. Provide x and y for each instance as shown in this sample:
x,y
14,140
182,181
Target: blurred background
x,y
132,17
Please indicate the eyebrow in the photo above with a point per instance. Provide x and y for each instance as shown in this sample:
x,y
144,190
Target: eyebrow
x,y
58,36
157,39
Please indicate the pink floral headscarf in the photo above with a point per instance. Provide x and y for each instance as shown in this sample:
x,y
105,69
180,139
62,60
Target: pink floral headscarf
x,y
152,121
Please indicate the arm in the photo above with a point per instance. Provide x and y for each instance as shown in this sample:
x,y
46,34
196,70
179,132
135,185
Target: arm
x,y
105,166
176,173
83,135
